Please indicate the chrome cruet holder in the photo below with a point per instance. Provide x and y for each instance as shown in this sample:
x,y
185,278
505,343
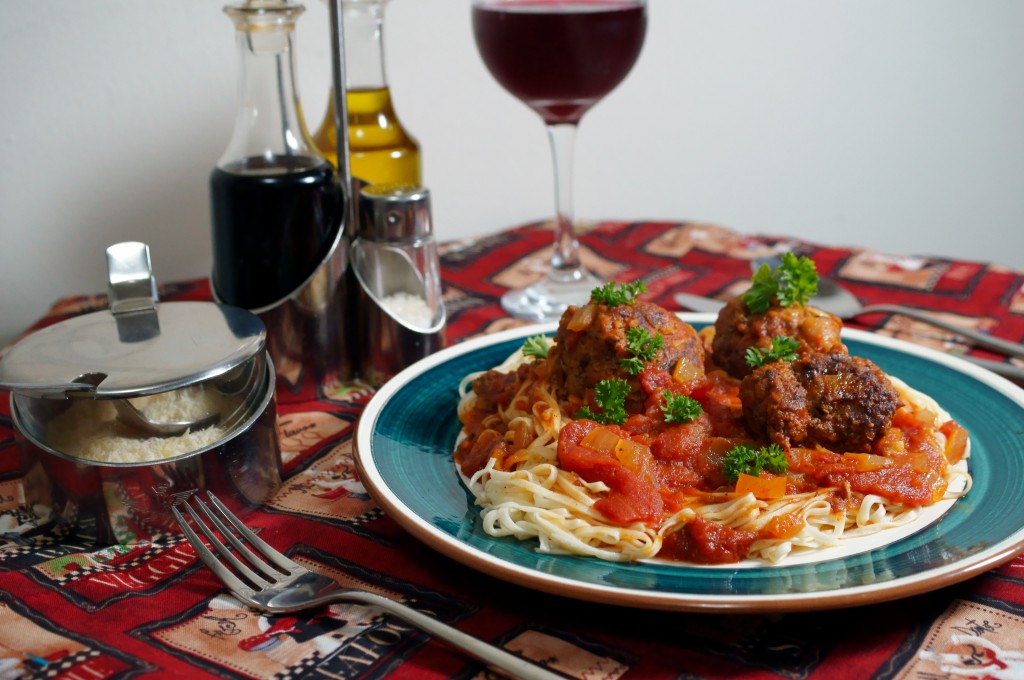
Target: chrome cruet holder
x,y
308,331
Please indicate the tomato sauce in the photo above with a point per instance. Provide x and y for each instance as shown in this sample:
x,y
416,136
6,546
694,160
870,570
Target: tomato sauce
x,y
474,452
653,468
632,497
706,542
719,396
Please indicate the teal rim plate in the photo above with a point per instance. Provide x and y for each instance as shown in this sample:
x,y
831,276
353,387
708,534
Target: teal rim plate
x,y
405,438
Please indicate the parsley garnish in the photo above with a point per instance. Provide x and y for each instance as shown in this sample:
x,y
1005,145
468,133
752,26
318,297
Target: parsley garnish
x,y
745,459
784,348
610,396
612,293
679,408
792,283
536,346
642,347
764,286
798,279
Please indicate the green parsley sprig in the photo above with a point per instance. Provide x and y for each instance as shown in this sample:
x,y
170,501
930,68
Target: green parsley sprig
x,y
793,282
680,409
612,293
784,348
763,288
610,396
744,459
643,347
536,346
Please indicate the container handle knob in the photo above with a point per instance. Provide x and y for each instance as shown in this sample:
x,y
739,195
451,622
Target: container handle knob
x,y
133,294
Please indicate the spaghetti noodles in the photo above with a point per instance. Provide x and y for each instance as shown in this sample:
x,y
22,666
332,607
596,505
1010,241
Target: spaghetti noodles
x,y
515,456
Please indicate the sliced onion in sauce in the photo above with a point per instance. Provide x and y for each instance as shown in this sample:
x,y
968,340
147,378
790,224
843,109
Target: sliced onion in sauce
x,y
582,318
601,439
685,372
868,462
631,454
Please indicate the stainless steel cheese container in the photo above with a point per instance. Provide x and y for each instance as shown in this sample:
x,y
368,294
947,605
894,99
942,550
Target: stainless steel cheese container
x,y
123,413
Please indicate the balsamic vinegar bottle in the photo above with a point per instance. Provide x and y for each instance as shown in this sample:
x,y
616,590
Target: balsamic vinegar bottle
x,y
276,203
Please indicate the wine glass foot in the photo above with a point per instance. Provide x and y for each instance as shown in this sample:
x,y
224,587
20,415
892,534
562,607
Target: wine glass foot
x,y
549,297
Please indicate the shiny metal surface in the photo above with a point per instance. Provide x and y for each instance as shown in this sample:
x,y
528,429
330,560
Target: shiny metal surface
x,y
86,354
394,212
401,315
135,348
130,278
80,373
136,419
132,501
309,331
265,579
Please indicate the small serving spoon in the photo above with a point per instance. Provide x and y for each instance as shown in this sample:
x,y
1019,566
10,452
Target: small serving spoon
x,y
128,414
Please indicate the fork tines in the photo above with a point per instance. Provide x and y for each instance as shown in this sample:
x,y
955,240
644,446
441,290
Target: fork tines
x,y
261,571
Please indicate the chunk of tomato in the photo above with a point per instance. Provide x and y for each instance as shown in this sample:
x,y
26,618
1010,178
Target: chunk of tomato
x,y
631,497
706,542
682,442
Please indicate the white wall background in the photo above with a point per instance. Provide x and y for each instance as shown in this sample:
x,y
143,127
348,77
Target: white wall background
x,y
894,124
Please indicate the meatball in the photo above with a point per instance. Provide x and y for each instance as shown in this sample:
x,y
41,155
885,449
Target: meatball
x,y
591,343
736,330
495,388
839,402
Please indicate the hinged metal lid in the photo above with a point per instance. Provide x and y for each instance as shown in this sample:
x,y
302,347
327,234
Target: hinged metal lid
x,y
138,347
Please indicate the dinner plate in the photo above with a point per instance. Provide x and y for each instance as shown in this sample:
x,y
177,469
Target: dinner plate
x,y
405,438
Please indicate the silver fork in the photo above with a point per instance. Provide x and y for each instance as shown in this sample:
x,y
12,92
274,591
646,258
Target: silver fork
x,y
273,583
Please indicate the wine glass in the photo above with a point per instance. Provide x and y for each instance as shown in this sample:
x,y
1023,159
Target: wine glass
x,y
559,57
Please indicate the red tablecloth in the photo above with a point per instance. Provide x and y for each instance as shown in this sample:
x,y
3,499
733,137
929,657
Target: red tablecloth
x,y
69,608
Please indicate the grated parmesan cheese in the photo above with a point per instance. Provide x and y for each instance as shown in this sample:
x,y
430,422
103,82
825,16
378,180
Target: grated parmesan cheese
x,y
90,428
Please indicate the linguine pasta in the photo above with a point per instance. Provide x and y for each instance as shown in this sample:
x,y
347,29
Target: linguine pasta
x,y
526,495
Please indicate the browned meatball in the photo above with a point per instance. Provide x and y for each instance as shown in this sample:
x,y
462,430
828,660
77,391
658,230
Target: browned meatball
x,y
497,388
590,343
840,402
736,329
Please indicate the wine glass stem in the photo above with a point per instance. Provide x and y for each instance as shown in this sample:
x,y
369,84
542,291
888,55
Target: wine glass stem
x,y
565,261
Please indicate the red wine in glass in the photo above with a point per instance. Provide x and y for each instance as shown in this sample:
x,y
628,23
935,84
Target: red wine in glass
x,y
560,57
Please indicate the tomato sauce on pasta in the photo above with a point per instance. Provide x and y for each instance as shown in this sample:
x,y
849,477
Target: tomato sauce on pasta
x,y
541,469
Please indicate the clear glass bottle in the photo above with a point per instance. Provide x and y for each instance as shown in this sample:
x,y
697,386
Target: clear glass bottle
x,y
276,203
381,151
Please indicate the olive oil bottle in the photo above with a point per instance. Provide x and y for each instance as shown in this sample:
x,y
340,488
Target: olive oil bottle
x,y
381,151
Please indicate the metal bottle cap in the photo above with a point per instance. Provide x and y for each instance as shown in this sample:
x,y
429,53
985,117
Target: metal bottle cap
x,y
394,212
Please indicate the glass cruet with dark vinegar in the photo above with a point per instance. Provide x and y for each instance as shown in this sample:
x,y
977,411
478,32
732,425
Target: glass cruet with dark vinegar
x,y
381,150
276,202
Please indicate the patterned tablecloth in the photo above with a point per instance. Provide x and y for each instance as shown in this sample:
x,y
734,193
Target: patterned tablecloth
x,y
70,608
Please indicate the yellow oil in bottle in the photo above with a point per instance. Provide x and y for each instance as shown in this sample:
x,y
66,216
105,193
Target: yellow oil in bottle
x,y
380,149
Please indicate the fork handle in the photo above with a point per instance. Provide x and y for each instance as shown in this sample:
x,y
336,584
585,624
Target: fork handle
x,y
489,654
1012,371
1006,347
